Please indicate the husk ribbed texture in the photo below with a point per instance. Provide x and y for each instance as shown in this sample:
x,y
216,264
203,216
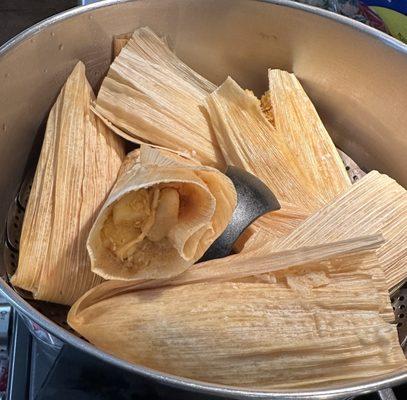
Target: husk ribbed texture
x,y
323,320
152,96
78,165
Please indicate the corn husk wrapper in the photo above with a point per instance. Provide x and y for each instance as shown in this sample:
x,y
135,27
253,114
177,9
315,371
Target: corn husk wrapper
x,y
306,137
320,323
249,141
147,48
376,203
79,162
181,207
150,95
278,224
301,269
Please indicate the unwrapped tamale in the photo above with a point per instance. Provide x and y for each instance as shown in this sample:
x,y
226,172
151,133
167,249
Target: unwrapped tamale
x,y
161,216
320,323
151,95
78,165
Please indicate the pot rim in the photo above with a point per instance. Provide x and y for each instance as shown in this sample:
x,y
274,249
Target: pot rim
x,y
167,379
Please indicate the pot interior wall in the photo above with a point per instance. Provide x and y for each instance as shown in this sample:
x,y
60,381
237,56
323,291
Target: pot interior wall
x,y
358,82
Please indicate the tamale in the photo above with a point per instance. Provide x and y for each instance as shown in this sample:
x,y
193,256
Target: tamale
x,y
161,216
78,164
241,266
249,141
244,129
279,224
306,137
376,203
151,95
255,335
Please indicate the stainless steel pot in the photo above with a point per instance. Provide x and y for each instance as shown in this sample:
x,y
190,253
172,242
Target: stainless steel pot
x,y
356,76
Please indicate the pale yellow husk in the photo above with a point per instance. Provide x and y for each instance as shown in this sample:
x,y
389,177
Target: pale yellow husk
x,y
376,203
297,120
161,216
151,95
321,321
249,141
78,165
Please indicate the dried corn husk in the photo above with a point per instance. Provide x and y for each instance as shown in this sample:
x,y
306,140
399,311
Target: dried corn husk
x,y
306,137
249,141
79,162
375,203
257,239
152,96
278,224
161,216
157,91
305,330
257,261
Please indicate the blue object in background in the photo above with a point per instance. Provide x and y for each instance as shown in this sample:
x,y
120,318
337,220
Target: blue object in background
x,y
396,5
85,2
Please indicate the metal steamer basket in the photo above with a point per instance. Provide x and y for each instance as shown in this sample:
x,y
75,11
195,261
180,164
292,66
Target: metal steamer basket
x,y
355,75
